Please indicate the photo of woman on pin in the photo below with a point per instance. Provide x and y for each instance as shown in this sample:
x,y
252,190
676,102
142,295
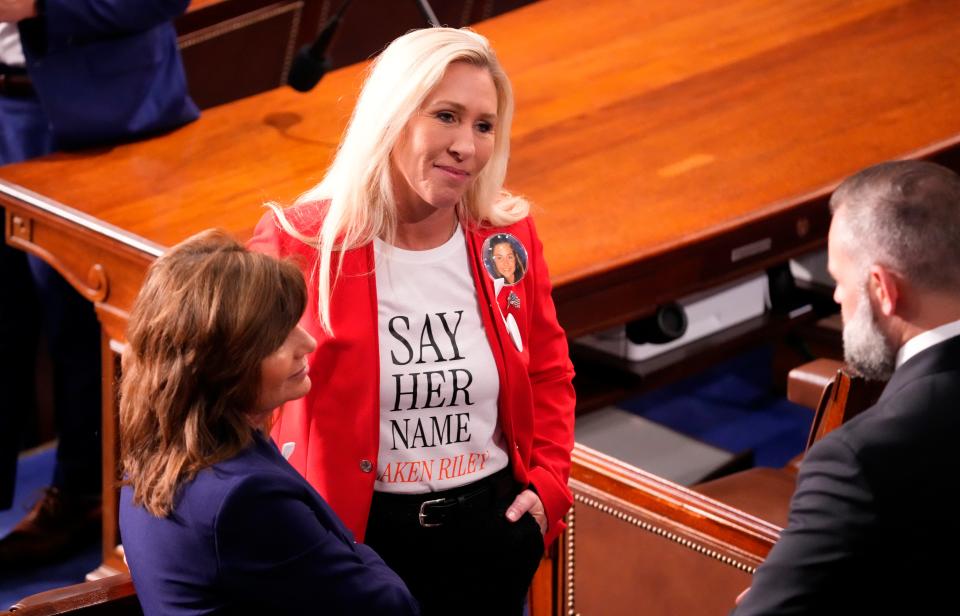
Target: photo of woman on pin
x,y
505,257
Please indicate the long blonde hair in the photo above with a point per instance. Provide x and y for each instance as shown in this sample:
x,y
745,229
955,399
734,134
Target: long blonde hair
x,y
208,314
357,188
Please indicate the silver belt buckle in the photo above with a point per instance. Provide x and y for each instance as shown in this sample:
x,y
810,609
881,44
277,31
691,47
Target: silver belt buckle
x,y
422,516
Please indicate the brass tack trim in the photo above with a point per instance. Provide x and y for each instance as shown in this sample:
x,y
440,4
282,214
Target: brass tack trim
x,y
631,519
570,532
237,23
666,534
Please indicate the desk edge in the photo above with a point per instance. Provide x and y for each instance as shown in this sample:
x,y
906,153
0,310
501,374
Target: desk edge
x,y
77,217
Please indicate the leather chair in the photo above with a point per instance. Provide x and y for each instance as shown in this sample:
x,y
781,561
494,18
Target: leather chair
x,y
836,397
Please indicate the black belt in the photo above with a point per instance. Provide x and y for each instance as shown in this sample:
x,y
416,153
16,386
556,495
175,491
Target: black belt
x,y
16,83
435,509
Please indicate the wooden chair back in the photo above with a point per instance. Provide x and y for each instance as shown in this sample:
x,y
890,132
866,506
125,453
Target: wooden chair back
x,y
843,398
638,544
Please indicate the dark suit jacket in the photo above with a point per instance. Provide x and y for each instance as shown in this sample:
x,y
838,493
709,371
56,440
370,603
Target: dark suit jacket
x,y
107,71
872,527
250,535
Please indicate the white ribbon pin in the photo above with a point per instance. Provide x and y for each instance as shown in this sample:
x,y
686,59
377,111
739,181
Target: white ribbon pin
x,y
509,322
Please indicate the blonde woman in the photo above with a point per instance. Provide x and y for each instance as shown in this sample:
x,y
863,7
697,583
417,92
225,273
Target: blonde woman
x,y
440,421
213,519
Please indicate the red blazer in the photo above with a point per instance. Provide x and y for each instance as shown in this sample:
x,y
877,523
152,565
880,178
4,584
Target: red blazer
x,y
336,427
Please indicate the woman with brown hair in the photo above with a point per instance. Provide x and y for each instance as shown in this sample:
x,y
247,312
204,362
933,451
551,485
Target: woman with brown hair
x,y
213,518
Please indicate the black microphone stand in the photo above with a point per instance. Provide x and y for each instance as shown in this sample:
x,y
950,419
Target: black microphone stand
x,y
312,63
427,11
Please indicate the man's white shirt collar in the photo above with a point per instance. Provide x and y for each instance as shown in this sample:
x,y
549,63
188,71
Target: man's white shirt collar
x,y
927,339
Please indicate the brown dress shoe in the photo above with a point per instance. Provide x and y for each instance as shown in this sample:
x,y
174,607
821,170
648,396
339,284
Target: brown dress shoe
x,y
56,526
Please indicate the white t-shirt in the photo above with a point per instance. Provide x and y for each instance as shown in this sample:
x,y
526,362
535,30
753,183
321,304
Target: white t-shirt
x,y
11,52
438,379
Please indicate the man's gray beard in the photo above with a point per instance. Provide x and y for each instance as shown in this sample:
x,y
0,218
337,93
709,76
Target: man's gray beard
x,y
866,350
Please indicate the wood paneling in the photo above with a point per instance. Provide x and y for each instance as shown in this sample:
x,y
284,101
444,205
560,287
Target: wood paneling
x,y
236,48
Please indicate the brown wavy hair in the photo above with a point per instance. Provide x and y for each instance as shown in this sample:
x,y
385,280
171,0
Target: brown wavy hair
x,y
208,314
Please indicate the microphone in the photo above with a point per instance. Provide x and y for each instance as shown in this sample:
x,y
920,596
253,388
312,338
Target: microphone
x,y
311,62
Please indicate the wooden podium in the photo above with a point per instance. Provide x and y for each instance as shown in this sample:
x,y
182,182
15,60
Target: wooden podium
x,y
667,147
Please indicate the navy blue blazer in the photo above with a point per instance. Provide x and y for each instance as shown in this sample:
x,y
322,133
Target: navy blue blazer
x,y
107,71
871,515
250,534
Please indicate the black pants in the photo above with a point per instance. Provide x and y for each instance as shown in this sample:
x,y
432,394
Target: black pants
x,y
36,295
476,563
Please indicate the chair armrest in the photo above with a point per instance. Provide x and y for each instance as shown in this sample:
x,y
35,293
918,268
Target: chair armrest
x,y
761,492
110,595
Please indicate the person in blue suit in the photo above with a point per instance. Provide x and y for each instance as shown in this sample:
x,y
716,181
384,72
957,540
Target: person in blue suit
x,y
88,72
73,74
212,517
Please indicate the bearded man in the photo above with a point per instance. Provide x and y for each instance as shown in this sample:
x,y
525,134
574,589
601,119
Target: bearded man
x,y
870,519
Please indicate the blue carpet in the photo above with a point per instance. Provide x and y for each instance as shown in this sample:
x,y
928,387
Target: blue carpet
x,y
33,474
732,406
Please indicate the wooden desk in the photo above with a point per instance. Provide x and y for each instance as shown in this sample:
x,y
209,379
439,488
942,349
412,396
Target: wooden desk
x,y
667,146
